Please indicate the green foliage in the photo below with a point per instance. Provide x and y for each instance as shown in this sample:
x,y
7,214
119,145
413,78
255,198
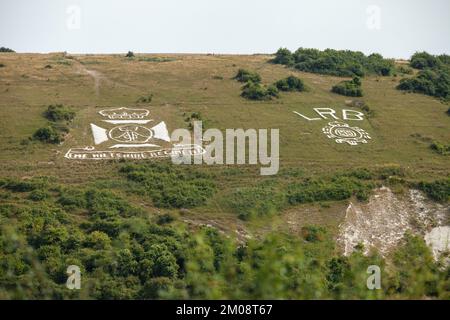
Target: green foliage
x,y
438,190
244,75
171,186
313,233
145,99
350,88
256,201
3,49
344,63
430,82
130,54
338,188
59,112
48,134
284,56
434,77
290,83
424,60
440,148
256,91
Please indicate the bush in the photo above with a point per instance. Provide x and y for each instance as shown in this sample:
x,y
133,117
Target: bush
x,y
284,56
290,83
48,135
256,201
335,62
256,91
129,54
171,186
3,49
59,112
440,148
313,233
430,82
145,99
423,60
245,76
350,88
438,190
338,188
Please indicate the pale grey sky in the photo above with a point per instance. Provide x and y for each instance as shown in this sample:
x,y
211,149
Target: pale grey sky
x,y
394,28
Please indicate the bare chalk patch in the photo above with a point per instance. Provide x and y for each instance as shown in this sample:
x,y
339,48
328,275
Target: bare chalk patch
x,y
382,222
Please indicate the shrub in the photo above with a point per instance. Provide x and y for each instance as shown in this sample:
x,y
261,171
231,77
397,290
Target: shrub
x,y
3,49
59,112
430,82
438,190
313,233
284,56
170,186
2,65
335,62
440,148
350,88
145,99
290,83
245,76
423,60
129,54
256,91
256,201
338,188
48,135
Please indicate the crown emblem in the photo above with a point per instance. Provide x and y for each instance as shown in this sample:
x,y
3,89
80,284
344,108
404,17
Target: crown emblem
x,y
125,113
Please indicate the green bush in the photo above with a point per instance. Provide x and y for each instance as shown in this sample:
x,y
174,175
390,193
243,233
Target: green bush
x,y
171,186
3,49
244,75
423,60
130,54
430,82
256,201
290,83
145,99
440,148
338,188
256,91
59,112
335,62
437,190
48,135
350,88
284,56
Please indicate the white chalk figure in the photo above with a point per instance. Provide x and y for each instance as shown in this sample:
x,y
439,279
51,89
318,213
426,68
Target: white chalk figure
x,y
100,134
131,133
342,132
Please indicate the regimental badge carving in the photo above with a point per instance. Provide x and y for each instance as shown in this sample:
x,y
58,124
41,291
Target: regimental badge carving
x,y
342,132
125,133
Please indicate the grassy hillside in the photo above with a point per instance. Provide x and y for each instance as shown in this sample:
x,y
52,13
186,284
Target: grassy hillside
x,y
402,126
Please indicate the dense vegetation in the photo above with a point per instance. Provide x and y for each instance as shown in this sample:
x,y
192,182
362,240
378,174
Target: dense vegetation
x,y
3,49
54,132
290,83
335,62
351,88
128,252
253,89
434,77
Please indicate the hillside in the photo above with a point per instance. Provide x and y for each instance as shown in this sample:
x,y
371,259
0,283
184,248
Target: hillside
x,y
320,189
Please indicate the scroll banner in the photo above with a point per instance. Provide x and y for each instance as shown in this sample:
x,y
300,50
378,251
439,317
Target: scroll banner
x,y
90,153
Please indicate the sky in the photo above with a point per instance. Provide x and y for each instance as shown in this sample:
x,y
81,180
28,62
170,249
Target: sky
x,y
394,28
